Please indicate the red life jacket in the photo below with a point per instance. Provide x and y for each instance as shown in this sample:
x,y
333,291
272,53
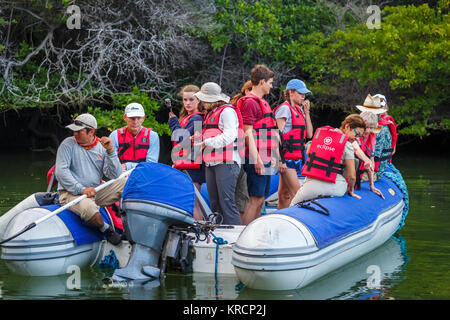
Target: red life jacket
x,y
211,129
386,154
133,149
325,155
264,130
294,140
182,157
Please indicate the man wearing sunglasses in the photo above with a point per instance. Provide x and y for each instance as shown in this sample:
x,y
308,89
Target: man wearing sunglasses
x,y
81,162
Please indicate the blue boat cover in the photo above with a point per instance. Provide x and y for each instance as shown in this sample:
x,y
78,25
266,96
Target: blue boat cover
x,y
81,232
160,183
347,214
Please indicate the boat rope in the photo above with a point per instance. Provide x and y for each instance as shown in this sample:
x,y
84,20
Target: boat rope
x,y
303,204
109,261
393,174
218,241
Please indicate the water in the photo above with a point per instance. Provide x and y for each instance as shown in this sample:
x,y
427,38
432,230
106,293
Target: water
x,y
412,265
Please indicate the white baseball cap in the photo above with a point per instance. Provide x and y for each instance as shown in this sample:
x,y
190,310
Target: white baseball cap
x,y
83,121
134,109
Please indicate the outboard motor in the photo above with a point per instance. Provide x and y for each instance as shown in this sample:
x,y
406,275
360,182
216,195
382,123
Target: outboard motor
x,y
156,196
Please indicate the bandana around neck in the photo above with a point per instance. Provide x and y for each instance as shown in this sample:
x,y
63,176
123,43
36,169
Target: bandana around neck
x,y
93,144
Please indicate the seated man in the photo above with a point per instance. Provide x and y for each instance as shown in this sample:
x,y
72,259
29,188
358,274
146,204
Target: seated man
x,y
135,143
81,162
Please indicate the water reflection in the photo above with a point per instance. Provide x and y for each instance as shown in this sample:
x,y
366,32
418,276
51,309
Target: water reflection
x,y
350,281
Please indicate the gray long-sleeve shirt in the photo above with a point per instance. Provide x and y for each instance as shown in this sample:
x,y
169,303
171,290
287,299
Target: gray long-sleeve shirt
x,y
77,168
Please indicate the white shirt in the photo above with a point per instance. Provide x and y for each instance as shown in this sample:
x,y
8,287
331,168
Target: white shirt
x,y
229,124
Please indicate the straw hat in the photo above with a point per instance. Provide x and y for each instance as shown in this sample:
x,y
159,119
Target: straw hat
x,y
372,104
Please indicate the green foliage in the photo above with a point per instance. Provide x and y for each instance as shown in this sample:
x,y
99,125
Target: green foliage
x,y
266,28
409,53
113,119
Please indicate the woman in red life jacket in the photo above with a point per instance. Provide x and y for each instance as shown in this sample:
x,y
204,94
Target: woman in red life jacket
x,y
364,150
183,155
330,166
241,192
222,151
295,124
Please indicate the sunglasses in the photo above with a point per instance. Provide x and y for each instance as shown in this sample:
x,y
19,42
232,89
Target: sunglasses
x,y
82,124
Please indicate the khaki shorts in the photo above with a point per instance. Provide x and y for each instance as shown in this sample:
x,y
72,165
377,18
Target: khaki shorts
x,y
88,207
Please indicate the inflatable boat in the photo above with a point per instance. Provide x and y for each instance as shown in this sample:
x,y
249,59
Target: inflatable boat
x,y
262,255
290,248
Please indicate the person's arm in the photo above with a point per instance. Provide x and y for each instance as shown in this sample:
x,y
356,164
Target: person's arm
x,y
112,167
372,184
368,165
309,126
351,177
253,154
153,151
62,171
174,123
229,121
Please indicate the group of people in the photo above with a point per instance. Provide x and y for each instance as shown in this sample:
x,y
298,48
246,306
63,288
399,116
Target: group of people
x,y
234,146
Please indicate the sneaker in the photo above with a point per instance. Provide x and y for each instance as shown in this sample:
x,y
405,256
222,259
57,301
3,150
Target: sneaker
x,y
112,237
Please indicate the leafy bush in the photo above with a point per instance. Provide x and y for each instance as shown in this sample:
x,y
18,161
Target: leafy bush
x,y
113,119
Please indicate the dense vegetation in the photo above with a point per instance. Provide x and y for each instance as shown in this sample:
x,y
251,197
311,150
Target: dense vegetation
x,y
146,50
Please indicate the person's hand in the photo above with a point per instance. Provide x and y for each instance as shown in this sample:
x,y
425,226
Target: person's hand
x,y
282,167
351,193
259,167
306,105
376,191
107,143
89,192
171,114
369,166
124,166
200,144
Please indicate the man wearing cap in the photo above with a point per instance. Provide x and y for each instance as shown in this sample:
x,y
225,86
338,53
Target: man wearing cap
x,y
135,143
81,162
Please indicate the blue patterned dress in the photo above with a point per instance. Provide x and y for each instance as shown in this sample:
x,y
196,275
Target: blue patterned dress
x,y
384,141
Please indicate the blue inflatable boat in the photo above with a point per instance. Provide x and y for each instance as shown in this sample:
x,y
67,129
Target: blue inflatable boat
x,y
290,248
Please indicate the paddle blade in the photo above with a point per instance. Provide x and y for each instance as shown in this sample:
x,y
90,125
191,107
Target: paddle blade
x,y
28,227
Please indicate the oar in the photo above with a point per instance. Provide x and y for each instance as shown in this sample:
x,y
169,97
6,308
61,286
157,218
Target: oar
x,y
66,206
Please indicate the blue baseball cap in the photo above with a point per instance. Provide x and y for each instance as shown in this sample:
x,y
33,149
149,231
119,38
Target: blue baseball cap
x,y
299,85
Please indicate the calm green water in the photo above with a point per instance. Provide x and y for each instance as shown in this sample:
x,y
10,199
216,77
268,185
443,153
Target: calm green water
x,y
414,265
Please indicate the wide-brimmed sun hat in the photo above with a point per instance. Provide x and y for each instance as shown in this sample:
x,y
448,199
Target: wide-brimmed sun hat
x,y
83,121
211,92
372,104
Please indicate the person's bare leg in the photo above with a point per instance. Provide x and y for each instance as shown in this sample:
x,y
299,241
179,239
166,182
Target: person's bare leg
x,y
289,185
252,210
